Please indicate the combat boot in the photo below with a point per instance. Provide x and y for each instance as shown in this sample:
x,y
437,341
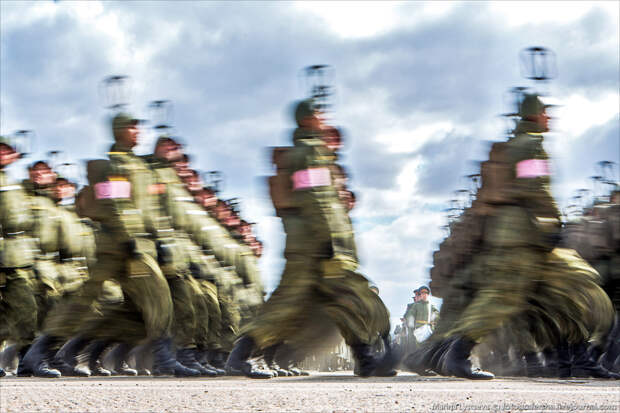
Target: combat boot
x,y
585,364
34,362
187,357
96,349
69,351
217,359
564,361
164,363
269,356
119,356
238,363
424,358
367,364
533,366
455,361
2,372
552,366
203,358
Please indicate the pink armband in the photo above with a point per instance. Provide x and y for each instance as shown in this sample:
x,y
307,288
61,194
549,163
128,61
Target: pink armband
x,y
113,190
533,168
311,177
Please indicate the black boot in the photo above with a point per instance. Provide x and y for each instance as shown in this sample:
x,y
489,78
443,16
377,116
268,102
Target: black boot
x,y
365,362
533,366
34,362
217,359
585,364
269,356
455,362
551,368
65,360
96,349
564,361
69,351
391,358
238,363
164,363
187,357
2,372
119,356
202,357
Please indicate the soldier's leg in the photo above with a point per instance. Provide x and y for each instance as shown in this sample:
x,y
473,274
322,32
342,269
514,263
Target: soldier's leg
x,y
361,317
280,316
185,324
19,306
148,290
184,320
146,286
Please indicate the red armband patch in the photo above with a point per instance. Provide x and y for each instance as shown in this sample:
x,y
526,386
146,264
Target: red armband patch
x,y
310,178
113,190
533,168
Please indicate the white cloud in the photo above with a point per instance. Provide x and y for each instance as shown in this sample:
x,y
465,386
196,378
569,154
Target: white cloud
x,y
518,13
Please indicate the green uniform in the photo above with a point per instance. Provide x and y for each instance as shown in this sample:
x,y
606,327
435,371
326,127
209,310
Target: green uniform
x,y
46,229
520,265
18,307
172,198
130,217
320,272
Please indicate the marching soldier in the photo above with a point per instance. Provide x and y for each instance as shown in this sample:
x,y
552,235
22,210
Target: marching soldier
x,y
18,306
321,265
528,280
125,202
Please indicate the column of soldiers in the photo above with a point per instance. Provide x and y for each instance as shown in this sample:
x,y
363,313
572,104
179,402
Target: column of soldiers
x,y
508,283
146,256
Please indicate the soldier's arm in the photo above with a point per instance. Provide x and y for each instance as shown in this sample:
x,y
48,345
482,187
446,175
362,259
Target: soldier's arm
x,y
121,216
314,191
532,183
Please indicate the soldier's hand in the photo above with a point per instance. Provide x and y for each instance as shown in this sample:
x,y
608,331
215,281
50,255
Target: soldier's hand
x,y
164,253
131,248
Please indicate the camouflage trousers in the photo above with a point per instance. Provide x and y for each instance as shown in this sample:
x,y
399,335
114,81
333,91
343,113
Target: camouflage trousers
x,y
145,291
307,290
18,306
551,296
218,324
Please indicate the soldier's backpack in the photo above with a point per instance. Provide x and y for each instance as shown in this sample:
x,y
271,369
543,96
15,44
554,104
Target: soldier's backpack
x,y
87,205
496,174
280,185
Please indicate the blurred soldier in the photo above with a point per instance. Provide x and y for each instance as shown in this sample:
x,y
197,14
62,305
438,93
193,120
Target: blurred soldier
x,y
125,202
18,307
186,295
527,280
320,272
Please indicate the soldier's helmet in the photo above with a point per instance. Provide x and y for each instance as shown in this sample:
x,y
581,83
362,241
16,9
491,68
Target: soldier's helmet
x,y
123,119
303,109
424,287
534,104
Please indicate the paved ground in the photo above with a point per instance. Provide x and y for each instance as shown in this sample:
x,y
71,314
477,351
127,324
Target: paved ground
x,y
321,392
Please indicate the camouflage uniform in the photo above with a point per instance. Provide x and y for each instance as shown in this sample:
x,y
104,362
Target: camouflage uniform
x,y
18,307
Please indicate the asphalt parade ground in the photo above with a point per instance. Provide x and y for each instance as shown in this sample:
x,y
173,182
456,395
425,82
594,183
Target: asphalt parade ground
x,y
320,392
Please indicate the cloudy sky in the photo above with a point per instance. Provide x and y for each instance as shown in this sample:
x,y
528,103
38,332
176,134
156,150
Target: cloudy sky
x,y
419,87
